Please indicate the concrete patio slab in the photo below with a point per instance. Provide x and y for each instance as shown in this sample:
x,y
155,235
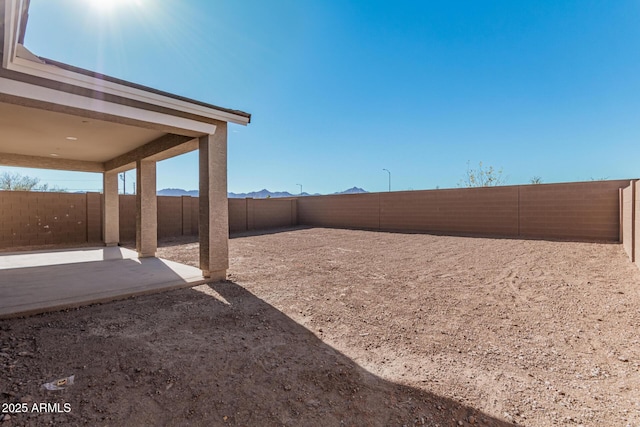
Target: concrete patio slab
x,y
37,282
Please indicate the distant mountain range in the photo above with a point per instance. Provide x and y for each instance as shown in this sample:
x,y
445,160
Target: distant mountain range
x,y
177,192
262,194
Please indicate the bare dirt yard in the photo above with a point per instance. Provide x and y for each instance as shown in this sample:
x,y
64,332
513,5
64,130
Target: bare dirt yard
x,y
321,327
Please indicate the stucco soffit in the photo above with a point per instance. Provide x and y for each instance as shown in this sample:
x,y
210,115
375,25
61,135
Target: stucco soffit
x,y
162,148
19,160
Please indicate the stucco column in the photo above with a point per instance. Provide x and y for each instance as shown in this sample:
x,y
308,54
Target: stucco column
x,y
146,209
213,210
111,210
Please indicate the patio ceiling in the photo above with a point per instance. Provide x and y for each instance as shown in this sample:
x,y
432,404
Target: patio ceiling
x,y
37,132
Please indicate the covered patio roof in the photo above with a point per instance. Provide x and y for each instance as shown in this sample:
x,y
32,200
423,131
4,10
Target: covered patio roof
x,y
57,116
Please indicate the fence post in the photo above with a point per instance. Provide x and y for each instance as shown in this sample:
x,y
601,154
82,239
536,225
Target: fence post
x,y
620,214
633,221
636,214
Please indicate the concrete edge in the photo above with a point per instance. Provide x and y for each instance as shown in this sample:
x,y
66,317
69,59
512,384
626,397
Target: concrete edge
x,y
105,298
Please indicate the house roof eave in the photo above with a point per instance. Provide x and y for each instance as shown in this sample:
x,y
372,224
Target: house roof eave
x,y
17,59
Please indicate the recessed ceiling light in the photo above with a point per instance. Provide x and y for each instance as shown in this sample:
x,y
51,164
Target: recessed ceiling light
x,y
54,155
71,138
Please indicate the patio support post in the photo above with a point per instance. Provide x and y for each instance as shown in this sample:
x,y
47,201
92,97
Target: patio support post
x,y
111,210
146,209
213,210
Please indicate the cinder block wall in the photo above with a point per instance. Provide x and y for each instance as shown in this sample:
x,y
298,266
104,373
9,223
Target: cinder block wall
x,y
127,218
237,215
195,217
94,217
489,211
257,214
579,210
342,211
272,213
170,216
575,211
30,218
178,216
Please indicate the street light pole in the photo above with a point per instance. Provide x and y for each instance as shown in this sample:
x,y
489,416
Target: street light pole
x,y
300,188
389,177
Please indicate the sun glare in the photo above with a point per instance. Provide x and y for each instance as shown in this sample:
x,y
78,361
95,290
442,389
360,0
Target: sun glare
x,y
106,5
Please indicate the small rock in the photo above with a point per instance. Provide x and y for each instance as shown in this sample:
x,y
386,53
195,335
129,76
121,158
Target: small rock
x,y
6,417
472,419
623,359
313,403
26,399
287,387
460,423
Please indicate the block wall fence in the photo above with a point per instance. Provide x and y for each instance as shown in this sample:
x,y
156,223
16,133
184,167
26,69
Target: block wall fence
x,y
630,220
572,211
29,218
32,219
178,216
592,211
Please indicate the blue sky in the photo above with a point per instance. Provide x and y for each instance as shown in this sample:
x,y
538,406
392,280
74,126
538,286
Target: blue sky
x,y
339,90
